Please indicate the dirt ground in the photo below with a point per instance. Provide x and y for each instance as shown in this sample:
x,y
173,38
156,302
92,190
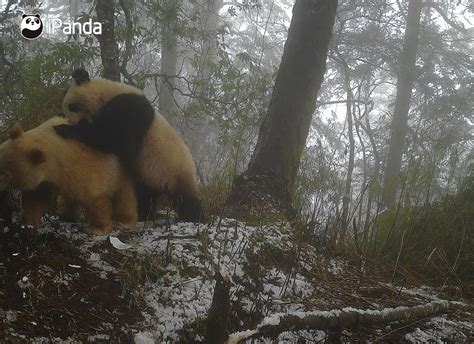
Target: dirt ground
x,y
48,290
58,285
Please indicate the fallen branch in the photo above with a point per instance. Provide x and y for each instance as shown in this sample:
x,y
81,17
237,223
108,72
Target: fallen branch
x,y
272,326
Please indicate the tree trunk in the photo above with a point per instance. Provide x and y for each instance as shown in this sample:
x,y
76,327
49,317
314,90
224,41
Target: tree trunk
x,y
209,25
274,164
218,317
108,45
74,12
375,178
406,75
346,199
169,59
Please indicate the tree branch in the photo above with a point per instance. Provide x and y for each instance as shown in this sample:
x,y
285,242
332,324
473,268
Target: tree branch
x,y
440,11
7,10
336,319
345,101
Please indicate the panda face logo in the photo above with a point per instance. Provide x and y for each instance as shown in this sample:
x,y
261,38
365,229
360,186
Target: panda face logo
x,y
31,26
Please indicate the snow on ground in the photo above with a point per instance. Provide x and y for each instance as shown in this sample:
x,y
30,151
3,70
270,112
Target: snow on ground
x,y
337,266
442,330
171,268
179,299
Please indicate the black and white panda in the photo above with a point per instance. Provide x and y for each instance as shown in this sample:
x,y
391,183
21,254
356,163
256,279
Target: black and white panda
x,y
117,118
31,26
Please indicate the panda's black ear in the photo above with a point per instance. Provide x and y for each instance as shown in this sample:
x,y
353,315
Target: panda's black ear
x,y
37,15
80,76
24,15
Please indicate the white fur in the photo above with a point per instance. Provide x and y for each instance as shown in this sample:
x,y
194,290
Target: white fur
x,y
165,162
85,177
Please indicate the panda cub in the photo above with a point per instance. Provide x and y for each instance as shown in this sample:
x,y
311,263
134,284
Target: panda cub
x,y
117,118
119,126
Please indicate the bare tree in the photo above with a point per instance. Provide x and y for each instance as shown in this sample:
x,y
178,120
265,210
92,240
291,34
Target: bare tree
x,y
274,164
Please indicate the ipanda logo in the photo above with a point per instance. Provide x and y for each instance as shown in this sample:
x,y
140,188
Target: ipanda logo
x,y
31,27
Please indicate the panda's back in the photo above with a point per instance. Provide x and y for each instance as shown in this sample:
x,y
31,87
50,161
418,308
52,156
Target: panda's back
x,y
69,153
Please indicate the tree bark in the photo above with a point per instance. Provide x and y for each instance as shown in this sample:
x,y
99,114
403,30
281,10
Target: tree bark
x,y
108,45
374,179
169,59
209,25
274,164
346,199
218,318
406,75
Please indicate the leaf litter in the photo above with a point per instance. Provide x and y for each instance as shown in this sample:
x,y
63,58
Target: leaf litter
x,y
156,285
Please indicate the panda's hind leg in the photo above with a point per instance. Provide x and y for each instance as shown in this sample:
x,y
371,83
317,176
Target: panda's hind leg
x,y
146,199
124,205
187,201
189,209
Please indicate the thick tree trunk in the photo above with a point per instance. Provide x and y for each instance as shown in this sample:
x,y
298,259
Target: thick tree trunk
x,y
169,59
209,24
74,12
274,164
108,45
406,75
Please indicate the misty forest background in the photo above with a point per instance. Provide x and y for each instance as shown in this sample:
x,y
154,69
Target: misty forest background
x,y
378,164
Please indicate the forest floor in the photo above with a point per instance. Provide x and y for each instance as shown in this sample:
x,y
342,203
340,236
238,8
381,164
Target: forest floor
x,y
59,285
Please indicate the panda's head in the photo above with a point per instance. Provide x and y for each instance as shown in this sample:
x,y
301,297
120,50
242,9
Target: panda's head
x,y
85,97
31,26
24,158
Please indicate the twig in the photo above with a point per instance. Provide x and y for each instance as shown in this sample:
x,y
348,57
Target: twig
x,y
172,237
399,254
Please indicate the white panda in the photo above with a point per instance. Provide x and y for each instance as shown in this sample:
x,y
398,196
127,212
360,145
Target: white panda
x,y
117,118
31,26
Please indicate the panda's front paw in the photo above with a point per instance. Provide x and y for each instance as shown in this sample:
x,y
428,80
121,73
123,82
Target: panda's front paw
x,y
65,131
98,230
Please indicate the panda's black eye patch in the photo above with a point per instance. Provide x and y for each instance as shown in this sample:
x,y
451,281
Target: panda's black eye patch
x,y
74,107
28,20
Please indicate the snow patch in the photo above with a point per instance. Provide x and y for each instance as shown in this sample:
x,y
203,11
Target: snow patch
x,y
144,338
